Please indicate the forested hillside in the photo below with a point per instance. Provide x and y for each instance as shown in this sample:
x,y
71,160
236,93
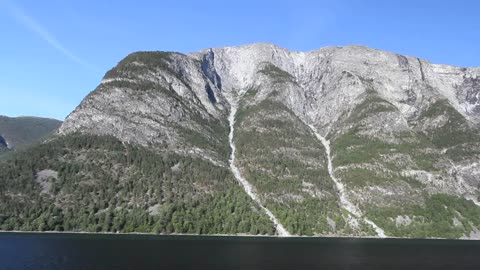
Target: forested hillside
x,y
93,183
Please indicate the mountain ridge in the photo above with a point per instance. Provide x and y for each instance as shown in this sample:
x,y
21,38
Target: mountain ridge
x,y
268,44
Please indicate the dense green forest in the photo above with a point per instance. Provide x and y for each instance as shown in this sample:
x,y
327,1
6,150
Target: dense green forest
x,y
99,184
441,215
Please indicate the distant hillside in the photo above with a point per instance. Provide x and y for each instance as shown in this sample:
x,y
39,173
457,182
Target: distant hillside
x,y
19,131
3,145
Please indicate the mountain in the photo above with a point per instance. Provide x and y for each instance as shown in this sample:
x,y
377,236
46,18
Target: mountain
x,y
23,131
257,139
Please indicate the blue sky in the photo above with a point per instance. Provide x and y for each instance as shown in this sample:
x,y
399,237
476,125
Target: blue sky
x,y
54,52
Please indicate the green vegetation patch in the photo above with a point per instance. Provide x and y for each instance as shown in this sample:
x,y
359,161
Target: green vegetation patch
x,y
358,177
352,148
138,61
279,75
309,217
455,131
371,105
434,219
464,151
215,139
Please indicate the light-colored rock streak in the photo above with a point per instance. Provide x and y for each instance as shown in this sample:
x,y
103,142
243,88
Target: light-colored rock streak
x,y
344,201
246,185
462,186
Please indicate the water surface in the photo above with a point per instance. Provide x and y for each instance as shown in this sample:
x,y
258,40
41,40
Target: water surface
x,y
96,251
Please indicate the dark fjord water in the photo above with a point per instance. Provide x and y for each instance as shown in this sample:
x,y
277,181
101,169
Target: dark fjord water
x,y
87,251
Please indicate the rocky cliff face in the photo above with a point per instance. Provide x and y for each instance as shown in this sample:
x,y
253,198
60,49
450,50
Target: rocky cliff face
x,y
159,99
403,131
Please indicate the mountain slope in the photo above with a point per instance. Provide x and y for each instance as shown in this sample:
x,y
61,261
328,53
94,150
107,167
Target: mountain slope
x,y
403,137
97,183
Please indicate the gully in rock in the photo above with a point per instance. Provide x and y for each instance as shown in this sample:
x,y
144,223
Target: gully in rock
x,y
245,184
344,201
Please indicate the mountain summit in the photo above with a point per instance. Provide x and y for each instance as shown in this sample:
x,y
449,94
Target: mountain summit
x,y
258,139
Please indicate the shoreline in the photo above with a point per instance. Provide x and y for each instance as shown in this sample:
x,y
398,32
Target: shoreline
x,y
184,234
232,235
